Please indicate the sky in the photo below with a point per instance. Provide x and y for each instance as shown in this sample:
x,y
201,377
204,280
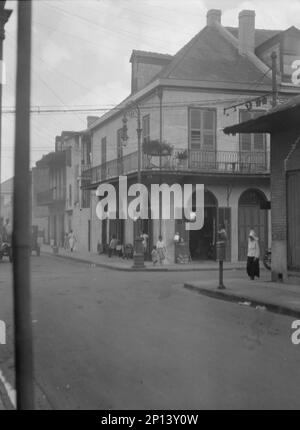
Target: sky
x,y
81,51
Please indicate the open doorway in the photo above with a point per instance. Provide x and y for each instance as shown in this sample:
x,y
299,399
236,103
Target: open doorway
x,y
202,242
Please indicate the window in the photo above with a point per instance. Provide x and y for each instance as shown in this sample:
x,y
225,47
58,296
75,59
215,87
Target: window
x,y
202,129
103,150
85,197
146,128
119,143
86,149
255,141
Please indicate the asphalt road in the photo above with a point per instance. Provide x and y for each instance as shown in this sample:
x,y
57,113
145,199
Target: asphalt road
x,y
119,340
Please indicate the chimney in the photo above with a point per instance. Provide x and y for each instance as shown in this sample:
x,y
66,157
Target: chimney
x,y
246,31
213,16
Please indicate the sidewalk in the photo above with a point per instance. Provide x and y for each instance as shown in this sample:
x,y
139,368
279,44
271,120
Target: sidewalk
x,y
117,263
275,297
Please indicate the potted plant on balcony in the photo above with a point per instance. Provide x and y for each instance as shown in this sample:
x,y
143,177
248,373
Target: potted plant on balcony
x,y
182,156
155,148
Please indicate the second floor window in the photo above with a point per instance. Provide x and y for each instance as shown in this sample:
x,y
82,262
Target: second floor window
x,y
119,143
255,142
146,128
103,150
202,129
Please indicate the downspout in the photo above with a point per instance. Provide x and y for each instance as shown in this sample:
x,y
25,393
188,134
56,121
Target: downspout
x,y
160,96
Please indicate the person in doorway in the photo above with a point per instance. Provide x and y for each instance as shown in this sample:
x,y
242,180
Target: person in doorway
x,y
112,246
66,242
72,240
253,256
161,249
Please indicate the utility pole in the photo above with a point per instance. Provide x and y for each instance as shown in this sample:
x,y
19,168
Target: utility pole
x,y
274,79
4,16
160,96
22,215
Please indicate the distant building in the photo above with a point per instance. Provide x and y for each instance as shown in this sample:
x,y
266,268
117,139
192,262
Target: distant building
x,y
58,194
182,101
283,124
7,189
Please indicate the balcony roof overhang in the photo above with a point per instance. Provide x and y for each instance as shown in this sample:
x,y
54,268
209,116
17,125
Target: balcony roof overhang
x,y
215,177
281,118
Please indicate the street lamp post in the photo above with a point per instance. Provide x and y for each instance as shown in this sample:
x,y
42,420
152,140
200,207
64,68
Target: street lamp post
x,y
138,256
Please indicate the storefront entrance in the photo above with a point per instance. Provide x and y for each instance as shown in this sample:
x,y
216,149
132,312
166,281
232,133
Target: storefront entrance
x,y
251,216
202,242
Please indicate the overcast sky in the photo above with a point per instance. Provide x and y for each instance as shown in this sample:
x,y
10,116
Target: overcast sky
x,y
81,51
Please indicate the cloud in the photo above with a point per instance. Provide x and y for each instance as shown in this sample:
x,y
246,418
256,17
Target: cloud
x,y
54,54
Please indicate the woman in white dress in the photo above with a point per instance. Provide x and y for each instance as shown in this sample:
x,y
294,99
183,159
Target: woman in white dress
x,y
161,249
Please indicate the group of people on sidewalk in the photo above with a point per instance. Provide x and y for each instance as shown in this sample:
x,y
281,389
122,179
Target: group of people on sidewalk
x,y
159,251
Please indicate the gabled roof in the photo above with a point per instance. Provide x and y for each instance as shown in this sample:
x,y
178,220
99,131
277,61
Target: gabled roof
x,y
261,35
150,54
211,57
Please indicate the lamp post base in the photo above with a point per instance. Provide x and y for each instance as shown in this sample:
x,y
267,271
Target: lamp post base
x,y
221,285
138,256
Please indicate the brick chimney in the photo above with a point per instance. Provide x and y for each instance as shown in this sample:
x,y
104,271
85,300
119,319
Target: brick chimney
x,y
246,31
213,16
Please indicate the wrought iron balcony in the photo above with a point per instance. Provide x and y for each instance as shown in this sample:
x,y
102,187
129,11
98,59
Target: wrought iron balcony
x,y
189,160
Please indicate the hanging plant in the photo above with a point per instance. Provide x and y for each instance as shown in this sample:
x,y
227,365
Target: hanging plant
x,y
154,147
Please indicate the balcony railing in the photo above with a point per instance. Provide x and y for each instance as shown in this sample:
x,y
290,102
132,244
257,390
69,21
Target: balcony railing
x,y
50,197
227,162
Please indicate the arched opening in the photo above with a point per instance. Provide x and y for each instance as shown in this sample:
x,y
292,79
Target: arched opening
x,y
202,242
251,216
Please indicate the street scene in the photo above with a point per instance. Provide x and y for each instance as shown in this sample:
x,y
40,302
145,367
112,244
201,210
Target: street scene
x,y
107,339
149,205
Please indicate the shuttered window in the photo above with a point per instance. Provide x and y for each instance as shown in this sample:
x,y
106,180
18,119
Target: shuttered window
x,y
202,128
146,128
255,141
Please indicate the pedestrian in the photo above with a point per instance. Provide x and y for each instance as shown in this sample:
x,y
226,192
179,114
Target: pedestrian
x,y
66,242
112,246
72,240
161,249
145,238
154,255
7,231
253,256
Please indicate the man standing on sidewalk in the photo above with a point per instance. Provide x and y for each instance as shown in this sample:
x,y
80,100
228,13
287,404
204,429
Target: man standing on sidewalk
x,y
253,256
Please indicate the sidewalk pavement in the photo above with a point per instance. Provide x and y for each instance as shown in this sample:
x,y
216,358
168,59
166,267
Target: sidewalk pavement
x,y
117,263
276,297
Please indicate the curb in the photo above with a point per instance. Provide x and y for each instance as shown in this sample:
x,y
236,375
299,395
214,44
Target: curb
x,y
229,297
145,269
5,403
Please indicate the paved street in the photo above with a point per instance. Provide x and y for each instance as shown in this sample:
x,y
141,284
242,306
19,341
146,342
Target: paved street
x,y
120,340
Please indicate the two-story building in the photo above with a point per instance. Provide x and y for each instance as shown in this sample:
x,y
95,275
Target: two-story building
x,y
59,174
282,122
184,100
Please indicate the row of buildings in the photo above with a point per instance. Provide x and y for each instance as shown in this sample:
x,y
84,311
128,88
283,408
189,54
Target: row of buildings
x,y
180,105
